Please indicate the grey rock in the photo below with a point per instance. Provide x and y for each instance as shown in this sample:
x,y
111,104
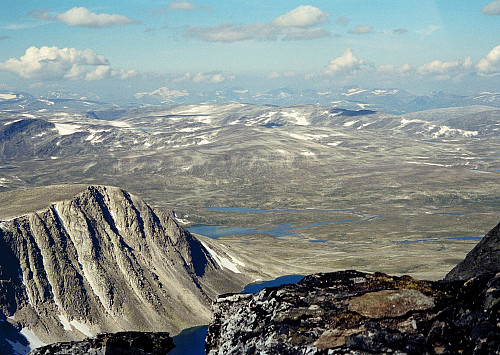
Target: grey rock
x,y
350,312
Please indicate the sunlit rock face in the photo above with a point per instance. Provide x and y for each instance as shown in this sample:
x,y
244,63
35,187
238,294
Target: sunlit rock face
x,y
104,261
350,312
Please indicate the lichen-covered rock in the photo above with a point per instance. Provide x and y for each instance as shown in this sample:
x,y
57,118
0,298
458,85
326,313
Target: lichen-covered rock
x,y
122,343
352,312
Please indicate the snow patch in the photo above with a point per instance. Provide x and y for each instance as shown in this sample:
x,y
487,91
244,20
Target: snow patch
x,y
76,325
33,342
65,129
61,114
82,328
224,262
49,103
65,322
11,122
350,123
299,120
190,129
29,115
119,124
307,153
7,96
113,215
425,163
351,92
334,144
364,125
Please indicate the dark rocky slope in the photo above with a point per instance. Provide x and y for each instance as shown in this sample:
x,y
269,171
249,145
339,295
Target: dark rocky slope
x,y
122,343
104,261
350,312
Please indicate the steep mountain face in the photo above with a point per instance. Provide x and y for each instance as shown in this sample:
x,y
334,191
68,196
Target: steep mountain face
x,y
104,261
484,258
352,312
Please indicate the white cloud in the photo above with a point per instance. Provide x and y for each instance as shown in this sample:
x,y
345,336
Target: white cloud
x,y
276,75
182,5
182,78
211,78
467,63
346,63
360,30
490,66
302,16
298,33
233,33
392,69
294,25
52,63
493,8
438,67
428,30
83,17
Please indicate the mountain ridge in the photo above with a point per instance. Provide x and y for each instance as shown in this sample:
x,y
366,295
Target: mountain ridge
x,y
105,261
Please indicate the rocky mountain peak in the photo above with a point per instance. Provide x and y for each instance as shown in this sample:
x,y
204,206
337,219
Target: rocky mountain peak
x,y
104,261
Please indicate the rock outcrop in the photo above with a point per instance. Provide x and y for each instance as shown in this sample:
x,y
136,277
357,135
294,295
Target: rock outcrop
x,y
122,343
484,258
351,312
105,261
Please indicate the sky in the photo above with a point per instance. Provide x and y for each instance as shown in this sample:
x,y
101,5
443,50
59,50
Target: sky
x,y
117,48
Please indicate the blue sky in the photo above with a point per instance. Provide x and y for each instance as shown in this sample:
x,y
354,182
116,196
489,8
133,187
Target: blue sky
x,y
140,46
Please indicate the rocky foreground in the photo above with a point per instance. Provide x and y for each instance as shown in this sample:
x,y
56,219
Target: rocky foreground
x,y
351,312
122,343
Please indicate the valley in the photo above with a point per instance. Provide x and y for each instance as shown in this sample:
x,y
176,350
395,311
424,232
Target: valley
x,y
426,177
267,191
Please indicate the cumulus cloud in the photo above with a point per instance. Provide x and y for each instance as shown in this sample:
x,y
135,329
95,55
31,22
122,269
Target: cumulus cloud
x,y
346,63
438,67
490,66
52,63
183,5
302,16
361,30
392,69
297,24
493,8
210,78
83,17
276,75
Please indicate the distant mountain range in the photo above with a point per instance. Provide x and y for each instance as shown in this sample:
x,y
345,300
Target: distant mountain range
x,y
395,101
